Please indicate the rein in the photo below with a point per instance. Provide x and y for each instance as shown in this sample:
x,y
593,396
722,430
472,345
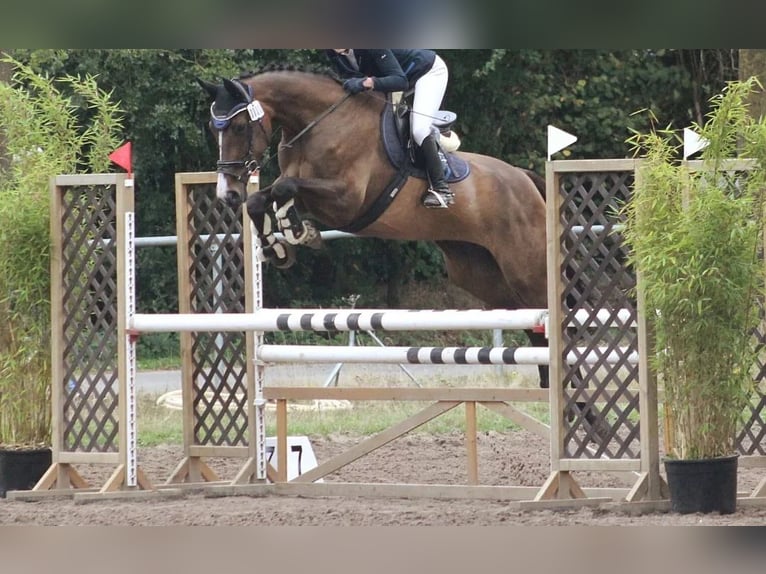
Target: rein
x,y
248,163
315,121
401,103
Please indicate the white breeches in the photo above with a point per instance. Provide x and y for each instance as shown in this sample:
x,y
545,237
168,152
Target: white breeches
x,y
429,91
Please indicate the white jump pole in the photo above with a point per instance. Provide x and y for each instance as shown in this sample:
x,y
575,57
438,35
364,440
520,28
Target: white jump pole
x,y
435,355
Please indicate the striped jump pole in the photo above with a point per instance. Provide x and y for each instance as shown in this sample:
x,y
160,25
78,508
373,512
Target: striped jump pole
x,y
342,320
436,355
365,320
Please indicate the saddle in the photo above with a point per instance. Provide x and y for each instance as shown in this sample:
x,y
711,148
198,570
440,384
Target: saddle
x,y
401,150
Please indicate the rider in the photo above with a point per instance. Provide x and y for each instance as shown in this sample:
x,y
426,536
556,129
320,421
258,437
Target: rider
x,y
397,71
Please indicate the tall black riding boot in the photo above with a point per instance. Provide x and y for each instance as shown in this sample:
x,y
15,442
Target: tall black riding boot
x,y
438,195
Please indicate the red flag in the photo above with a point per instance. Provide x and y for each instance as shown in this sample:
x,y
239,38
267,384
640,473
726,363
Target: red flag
x,y
121,156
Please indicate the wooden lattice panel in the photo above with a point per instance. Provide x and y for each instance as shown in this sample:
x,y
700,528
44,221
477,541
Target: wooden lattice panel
x,y
601,393
751,438
89,384
216,285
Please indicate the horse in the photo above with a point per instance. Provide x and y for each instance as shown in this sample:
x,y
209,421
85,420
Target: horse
x,y
334,169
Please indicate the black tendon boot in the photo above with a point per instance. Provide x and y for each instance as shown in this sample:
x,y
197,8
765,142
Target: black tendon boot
x,y
438,195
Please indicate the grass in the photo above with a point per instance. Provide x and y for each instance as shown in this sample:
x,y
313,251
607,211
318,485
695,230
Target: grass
x,y
369,418
160,425
157,424
159,363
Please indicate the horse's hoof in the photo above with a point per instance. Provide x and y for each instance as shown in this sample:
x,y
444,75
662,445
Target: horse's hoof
x,y
597,429
281,255
288,260
600,432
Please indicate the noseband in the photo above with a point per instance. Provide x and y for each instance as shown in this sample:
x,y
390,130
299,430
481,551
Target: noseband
x,y
240,169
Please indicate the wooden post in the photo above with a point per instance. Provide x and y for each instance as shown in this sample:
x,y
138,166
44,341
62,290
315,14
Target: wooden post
x,y
470,442
282,440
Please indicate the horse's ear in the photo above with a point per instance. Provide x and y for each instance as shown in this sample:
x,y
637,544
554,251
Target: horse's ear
x,y
209,87
237,90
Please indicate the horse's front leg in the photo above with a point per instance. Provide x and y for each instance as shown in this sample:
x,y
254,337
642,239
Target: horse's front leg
x,y
270,249
297,231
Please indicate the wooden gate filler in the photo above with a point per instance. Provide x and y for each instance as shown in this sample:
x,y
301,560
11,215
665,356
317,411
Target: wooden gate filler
x,y
595,323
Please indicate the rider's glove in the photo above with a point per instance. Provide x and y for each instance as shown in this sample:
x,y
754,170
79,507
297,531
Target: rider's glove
x,y
354,85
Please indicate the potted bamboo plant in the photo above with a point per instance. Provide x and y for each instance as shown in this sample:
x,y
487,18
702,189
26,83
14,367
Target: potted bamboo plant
x,y
694,236
41,138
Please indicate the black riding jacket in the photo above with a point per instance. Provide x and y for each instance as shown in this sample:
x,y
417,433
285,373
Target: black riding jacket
x,y
391,70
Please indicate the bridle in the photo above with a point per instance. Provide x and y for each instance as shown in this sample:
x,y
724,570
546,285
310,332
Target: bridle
x,y
240,169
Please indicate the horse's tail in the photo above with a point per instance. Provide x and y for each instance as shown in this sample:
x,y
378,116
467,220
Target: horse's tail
x,y
537,179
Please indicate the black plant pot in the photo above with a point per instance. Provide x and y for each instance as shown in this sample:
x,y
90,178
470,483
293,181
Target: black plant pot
x,y
20,469
705,485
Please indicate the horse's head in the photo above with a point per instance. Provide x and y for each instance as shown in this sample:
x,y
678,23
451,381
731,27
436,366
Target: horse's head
x,y
241,144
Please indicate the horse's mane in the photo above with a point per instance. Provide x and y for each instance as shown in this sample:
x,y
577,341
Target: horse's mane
x,y
315,69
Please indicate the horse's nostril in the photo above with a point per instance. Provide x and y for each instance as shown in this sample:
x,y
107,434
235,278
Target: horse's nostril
x,y
233,199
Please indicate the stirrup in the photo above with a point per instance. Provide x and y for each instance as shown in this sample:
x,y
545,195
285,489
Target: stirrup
x,y
437,199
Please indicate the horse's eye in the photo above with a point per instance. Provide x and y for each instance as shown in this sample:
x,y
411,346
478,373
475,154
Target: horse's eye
x,y
238,128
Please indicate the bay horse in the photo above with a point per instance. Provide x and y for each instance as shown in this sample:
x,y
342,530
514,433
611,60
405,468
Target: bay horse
x,y
333,168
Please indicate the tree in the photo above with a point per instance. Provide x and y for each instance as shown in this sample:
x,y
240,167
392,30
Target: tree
x,y
504,99
753,63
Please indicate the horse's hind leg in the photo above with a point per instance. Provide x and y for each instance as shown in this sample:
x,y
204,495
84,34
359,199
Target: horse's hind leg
x,y
540,340
593,418
279,253
473,268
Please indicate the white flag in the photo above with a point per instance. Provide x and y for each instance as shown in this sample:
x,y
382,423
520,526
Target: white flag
x,y
693,142
558,140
